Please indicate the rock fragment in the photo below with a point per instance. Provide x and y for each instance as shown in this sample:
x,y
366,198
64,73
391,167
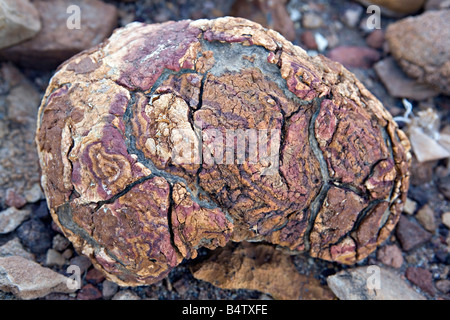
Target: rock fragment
x,y
411,234
259,267
11,218
371,283
29,280
421,45
58,39
20,21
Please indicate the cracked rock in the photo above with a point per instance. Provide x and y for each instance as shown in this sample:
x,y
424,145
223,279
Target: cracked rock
x,y
171,137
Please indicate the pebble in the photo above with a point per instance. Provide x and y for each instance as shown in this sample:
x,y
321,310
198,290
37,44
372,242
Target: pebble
x,y
354,56
14,248
322,42
446,219
20,21
27,279
35,235
443,285
399,85
426,218
353,284
89,292
422,278
56,42
411,234
308,39
126,295
82,262
109,289
54,259
95,276
41,210
390,255
11,218
13,199
444,186
60,243
376,39
410,206
311,20
352,15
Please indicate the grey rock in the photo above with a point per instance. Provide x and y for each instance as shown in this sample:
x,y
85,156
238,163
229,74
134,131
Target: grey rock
x,y
126,295
109,289
371,283
35,235
11,218
54,258
14,248
27,279
20,21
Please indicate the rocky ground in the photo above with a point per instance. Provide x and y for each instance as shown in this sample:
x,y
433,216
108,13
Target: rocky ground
x,y
413,263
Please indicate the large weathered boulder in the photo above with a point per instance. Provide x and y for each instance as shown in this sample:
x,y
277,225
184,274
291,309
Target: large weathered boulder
x,y
175,136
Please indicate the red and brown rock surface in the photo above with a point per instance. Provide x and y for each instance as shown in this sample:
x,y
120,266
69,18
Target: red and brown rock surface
x,y
142,146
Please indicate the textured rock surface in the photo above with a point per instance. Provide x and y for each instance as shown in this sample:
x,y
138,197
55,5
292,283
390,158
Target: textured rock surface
x,y
259,267
19,164
19,21
57,42
122,126
421,45
28,280
360,284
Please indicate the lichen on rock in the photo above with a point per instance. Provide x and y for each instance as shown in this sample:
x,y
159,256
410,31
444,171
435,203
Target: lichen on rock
x,y
171,137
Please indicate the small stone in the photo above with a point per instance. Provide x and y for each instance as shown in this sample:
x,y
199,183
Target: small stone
x,y
14,248
181,286
399,85
20,21
89,292
11,218
54,258
353,284
311,20
307,38
444,186
422,278
29,280
354,56
426,218
82,262
421,46
421,172
410,206
95,276
67,254
443,285
322,42
352,15
13,199
390,255
126,295
60,243
376,39
109,289
35,235
446,219
34,194
410,234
